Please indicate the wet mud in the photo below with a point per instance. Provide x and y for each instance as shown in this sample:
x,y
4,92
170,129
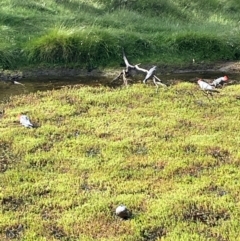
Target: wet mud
x,y
44,79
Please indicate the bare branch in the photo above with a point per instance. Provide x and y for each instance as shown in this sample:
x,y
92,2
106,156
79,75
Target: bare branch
x,y
149,74
124,78
140,69
157,78
128,66
118,77
17,83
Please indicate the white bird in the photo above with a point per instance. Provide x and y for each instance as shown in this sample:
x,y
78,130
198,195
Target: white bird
x,y
123,212
206,88
25,121
219,81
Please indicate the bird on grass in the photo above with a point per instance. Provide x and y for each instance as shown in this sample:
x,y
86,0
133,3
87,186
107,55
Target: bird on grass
x,y
219,81
25,121
207,88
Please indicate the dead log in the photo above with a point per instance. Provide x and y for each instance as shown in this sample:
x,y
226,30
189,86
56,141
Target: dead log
x,y
118,77
129,67
150,74
125,73
124,78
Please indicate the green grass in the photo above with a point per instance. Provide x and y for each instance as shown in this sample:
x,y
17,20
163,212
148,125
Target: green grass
x,y
91,34
171,157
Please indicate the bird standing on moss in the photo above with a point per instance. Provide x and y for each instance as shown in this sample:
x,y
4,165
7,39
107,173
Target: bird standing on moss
x,y
219,81
207,88
25,121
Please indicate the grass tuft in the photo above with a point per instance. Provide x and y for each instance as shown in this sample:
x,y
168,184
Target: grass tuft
x,y
92,34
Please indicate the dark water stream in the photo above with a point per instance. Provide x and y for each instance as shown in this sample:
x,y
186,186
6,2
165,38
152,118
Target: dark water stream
x,y
50,83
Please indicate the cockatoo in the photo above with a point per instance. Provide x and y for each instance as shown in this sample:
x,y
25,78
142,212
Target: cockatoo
x,y
207,88
219,81
25,121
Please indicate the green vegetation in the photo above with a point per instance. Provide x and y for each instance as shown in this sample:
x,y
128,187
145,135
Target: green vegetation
x,y
91,34
171,157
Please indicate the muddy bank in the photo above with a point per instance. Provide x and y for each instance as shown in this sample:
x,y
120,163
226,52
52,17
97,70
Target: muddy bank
x,y
224,67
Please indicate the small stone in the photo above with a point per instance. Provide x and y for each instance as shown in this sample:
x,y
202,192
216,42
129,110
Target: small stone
x,y
123,212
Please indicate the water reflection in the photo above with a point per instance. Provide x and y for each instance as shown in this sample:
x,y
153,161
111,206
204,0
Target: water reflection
x,y
50,83
8,89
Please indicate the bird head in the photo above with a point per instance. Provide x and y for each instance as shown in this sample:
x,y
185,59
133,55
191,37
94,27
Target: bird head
x,y
225,78
19,116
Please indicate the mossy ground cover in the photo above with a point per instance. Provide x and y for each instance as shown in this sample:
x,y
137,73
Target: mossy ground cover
x,y
171,157
91,34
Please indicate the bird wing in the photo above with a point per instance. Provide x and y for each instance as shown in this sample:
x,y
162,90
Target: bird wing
x,y
218,81
207,87
24,120
204,86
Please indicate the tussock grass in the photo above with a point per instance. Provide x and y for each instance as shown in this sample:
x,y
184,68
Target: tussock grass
x,y
89,47
91,34
171,157
7,58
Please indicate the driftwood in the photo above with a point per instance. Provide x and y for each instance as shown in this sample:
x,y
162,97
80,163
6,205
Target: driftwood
x,y
125,72
14,82
149,73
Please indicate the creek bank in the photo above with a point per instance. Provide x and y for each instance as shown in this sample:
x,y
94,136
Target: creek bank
x,y
224,67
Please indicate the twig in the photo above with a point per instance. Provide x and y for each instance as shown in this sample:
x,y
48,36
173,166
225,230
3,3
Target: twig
x,y
124,78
